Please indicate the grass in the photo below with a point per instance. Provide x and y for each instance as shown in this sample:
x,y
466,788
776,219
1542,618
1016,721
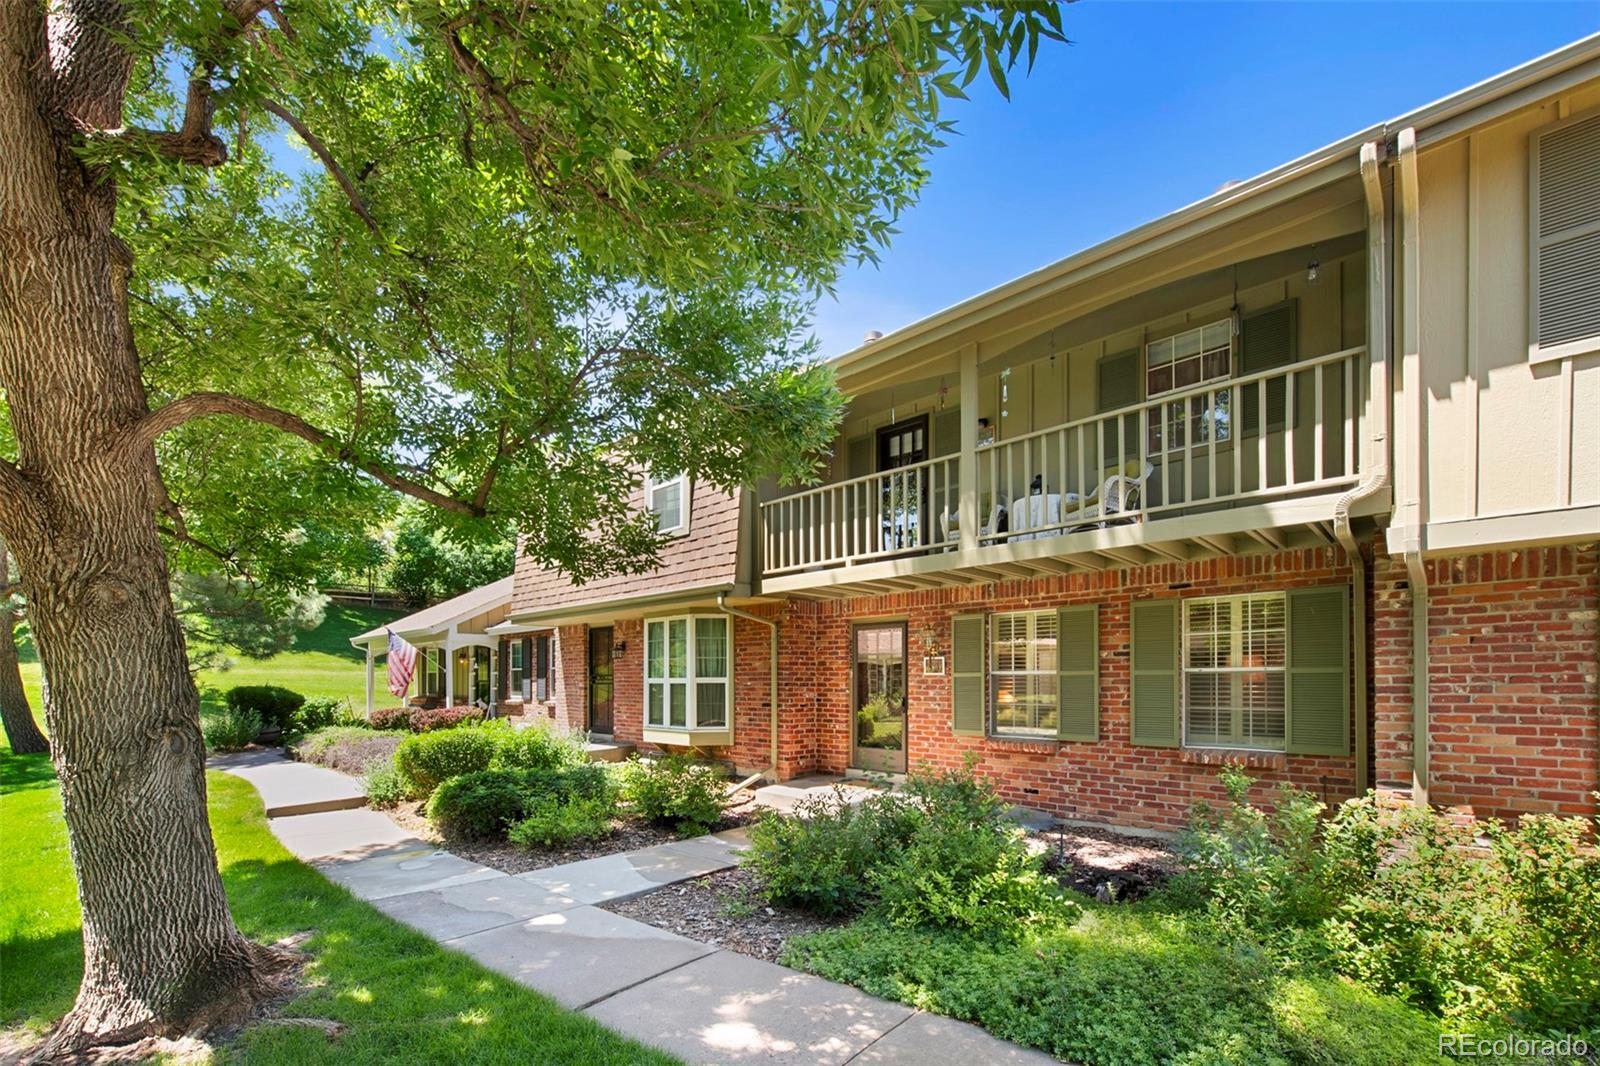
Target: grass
x,y
321,662
403,998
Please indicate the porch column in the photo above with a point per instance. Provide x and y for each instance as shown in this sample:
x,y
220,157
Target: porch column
x,y
369,679
449,673
967,464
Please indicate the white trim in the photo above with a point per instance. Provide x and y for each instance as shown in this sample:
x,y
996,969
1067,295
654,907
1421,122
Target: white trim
x,y
651,484
690,681
1531,529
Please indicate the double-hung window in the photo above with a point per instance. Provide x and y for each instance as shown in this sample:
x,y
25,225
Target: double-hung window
x,y
517,670
1184,361
432,672
668,500
1023,674
686,672
1233,671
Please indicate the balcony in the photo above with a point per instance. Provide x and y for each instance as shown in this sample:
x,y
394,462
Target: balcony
x,y
1190,472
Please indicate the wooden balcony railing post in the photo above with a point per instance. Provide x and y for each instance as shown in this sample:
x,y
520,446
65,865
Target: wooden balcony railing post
x,y
968,519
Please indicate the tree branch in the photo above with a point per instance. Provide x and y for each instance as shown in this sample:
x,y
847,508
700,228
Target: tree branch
x,y
143,434
357,203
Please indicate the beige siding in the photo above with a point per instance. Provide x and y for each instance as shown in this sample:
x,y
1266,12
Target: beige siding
x,y
1503,436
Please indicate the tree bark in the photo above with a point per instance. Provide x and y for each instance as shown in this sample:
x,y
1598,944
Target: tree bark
x,y
161,952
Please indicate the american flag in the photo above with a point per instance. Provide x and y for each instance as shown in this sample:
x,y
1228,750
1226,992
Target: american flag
x,y
402,664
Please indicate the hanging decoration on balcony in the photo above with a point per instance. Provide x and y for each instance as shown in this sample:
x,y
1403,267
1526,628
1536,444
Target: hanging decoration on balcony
x,y
1005,392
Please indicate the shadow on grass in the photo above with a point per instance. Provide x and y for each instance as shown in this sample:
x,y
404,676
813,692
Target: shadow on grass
x,y
41,977
21,772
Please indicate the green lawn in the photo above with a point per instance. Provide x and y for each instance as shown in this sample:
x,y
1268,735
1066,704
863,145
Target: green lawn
x,y
404,998
321,663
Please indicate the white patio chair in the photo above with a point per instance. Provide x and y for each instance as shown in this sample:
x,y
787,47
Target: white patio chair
x,y
1118,494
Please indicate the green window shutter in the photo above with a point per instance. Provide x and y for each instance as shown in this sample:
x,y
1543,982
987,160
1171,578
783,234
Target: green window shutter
x,y
1153,670
966,674
1078,673
1319,671
1118,380
1268,339
946,432
858,457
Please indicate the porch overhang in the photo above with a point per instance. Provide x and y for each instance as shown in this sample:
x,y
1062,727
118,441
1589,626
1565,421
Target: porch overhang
x,y
1263,527
604,611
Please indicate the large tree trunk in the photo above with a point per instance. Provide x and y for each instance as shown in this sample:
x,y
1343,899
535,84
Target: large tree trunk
x,y
161,952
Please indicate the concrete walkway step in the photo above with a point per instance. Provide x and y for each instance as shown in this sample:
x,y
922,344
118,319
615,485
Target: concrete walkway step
x,y
289,788
633,873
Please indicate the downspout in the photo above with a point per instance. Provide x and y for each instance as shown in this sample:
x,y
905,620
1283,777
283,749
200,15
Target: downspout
x,y
772,691
1376,477
1411,533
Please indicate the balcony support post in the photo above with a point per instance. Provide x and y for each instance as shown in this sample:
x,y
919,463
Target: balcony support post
x,y
967,467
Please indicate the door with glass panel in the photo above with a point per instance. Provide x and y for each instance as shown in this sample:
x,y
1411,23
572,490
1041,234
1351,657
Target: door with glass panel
x,y
602,687
903,494
879,697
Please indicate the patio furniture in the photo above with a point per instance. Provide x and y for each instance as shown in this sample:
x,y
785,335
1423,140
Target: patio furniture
x,y
1117,495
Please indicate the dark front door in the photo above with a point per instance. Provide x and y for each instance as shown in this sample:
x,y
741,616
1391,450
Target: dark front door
x,y
601,686
879,699
903,496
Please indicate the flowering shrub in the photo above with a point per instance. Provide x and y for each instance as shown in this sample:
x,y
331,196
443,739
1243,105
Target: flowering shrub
x,y
427,719
391,718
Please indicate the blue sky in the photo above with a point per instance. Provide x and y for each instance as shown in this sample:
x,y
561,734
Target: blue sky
x,y
1154,106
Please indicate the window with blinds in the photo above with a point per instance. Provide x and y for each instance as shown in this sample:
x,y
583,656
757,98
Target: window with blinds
x,y
1023,674
1564,225
686,672
1234,658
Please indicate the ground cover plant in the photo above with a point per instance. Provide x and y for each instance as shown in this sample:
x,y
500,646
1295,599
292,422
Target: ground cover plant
x,y
349,749
399,996
424,719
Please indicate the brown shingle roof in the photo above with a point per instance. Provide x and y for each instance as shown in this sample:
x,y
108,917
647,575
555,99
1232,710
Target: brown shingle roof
x,y
707,557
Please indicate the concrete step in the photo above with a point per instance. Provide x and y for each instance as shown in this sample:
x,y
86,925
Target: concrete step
x,y
290,788
608,751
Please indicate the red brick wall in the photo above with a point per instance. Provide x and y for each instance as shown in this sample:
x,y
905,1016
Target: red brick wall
x,y
1513,694
1109,781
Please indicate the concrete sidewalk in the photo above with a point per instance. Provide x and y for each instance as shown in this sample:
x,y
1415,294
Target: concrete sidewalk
x,y
542,930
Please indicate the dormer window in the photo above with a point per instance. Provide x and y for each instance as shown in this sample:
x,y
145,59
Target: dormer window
x,y
668,500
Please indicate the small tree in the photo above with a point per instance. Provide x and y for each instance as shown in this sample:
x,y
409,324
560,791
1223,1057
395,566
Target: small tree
x,y
22,733
427,565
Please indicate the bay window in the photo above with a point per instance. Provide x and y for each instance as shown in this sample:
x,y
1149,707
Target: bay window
x,y
686,672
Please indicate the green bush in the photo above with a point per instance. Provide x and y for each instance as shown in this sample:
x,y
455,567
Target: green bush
x,y
320,712
541,747
384,787
479,804
687,794
1411,903
552,822
819,859
229,729
941,855
274,706
590,781
427,759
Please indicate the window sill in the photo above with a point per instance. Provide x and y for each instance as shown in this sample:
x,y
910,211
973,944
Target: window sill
x,y
1040,745
719,737
1249,758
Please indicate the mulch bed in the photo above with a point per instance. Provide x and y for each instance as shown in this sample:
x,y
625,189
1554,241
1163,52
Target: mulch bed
x,y
1106,865
725,910
628,834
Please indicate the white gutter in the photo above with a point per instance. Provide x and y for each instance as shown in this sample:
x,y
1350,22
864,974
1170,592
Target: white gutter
x,y
1380,395
772,692
1415,516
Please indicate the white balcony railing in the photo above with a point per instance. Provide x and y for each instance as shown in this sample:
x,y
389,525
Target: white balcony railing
x,y
1288,431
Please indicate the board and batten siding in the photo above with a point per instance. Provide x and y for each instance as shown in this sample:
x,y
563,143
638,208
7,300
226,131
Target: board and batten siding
x,y
1503,435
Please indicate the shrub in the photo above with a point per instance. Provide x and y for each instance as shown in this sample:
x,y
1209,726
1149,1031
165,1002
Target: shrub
x,y
480,803
427,719
320,712
390,718
541,748
818,860
427,759
229,729
273,705
587,782
685,793
1414,904
384,787
551,822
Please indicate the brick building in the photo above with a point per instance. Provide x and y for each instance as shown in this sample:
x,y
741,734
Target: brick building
x,y
1304,476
